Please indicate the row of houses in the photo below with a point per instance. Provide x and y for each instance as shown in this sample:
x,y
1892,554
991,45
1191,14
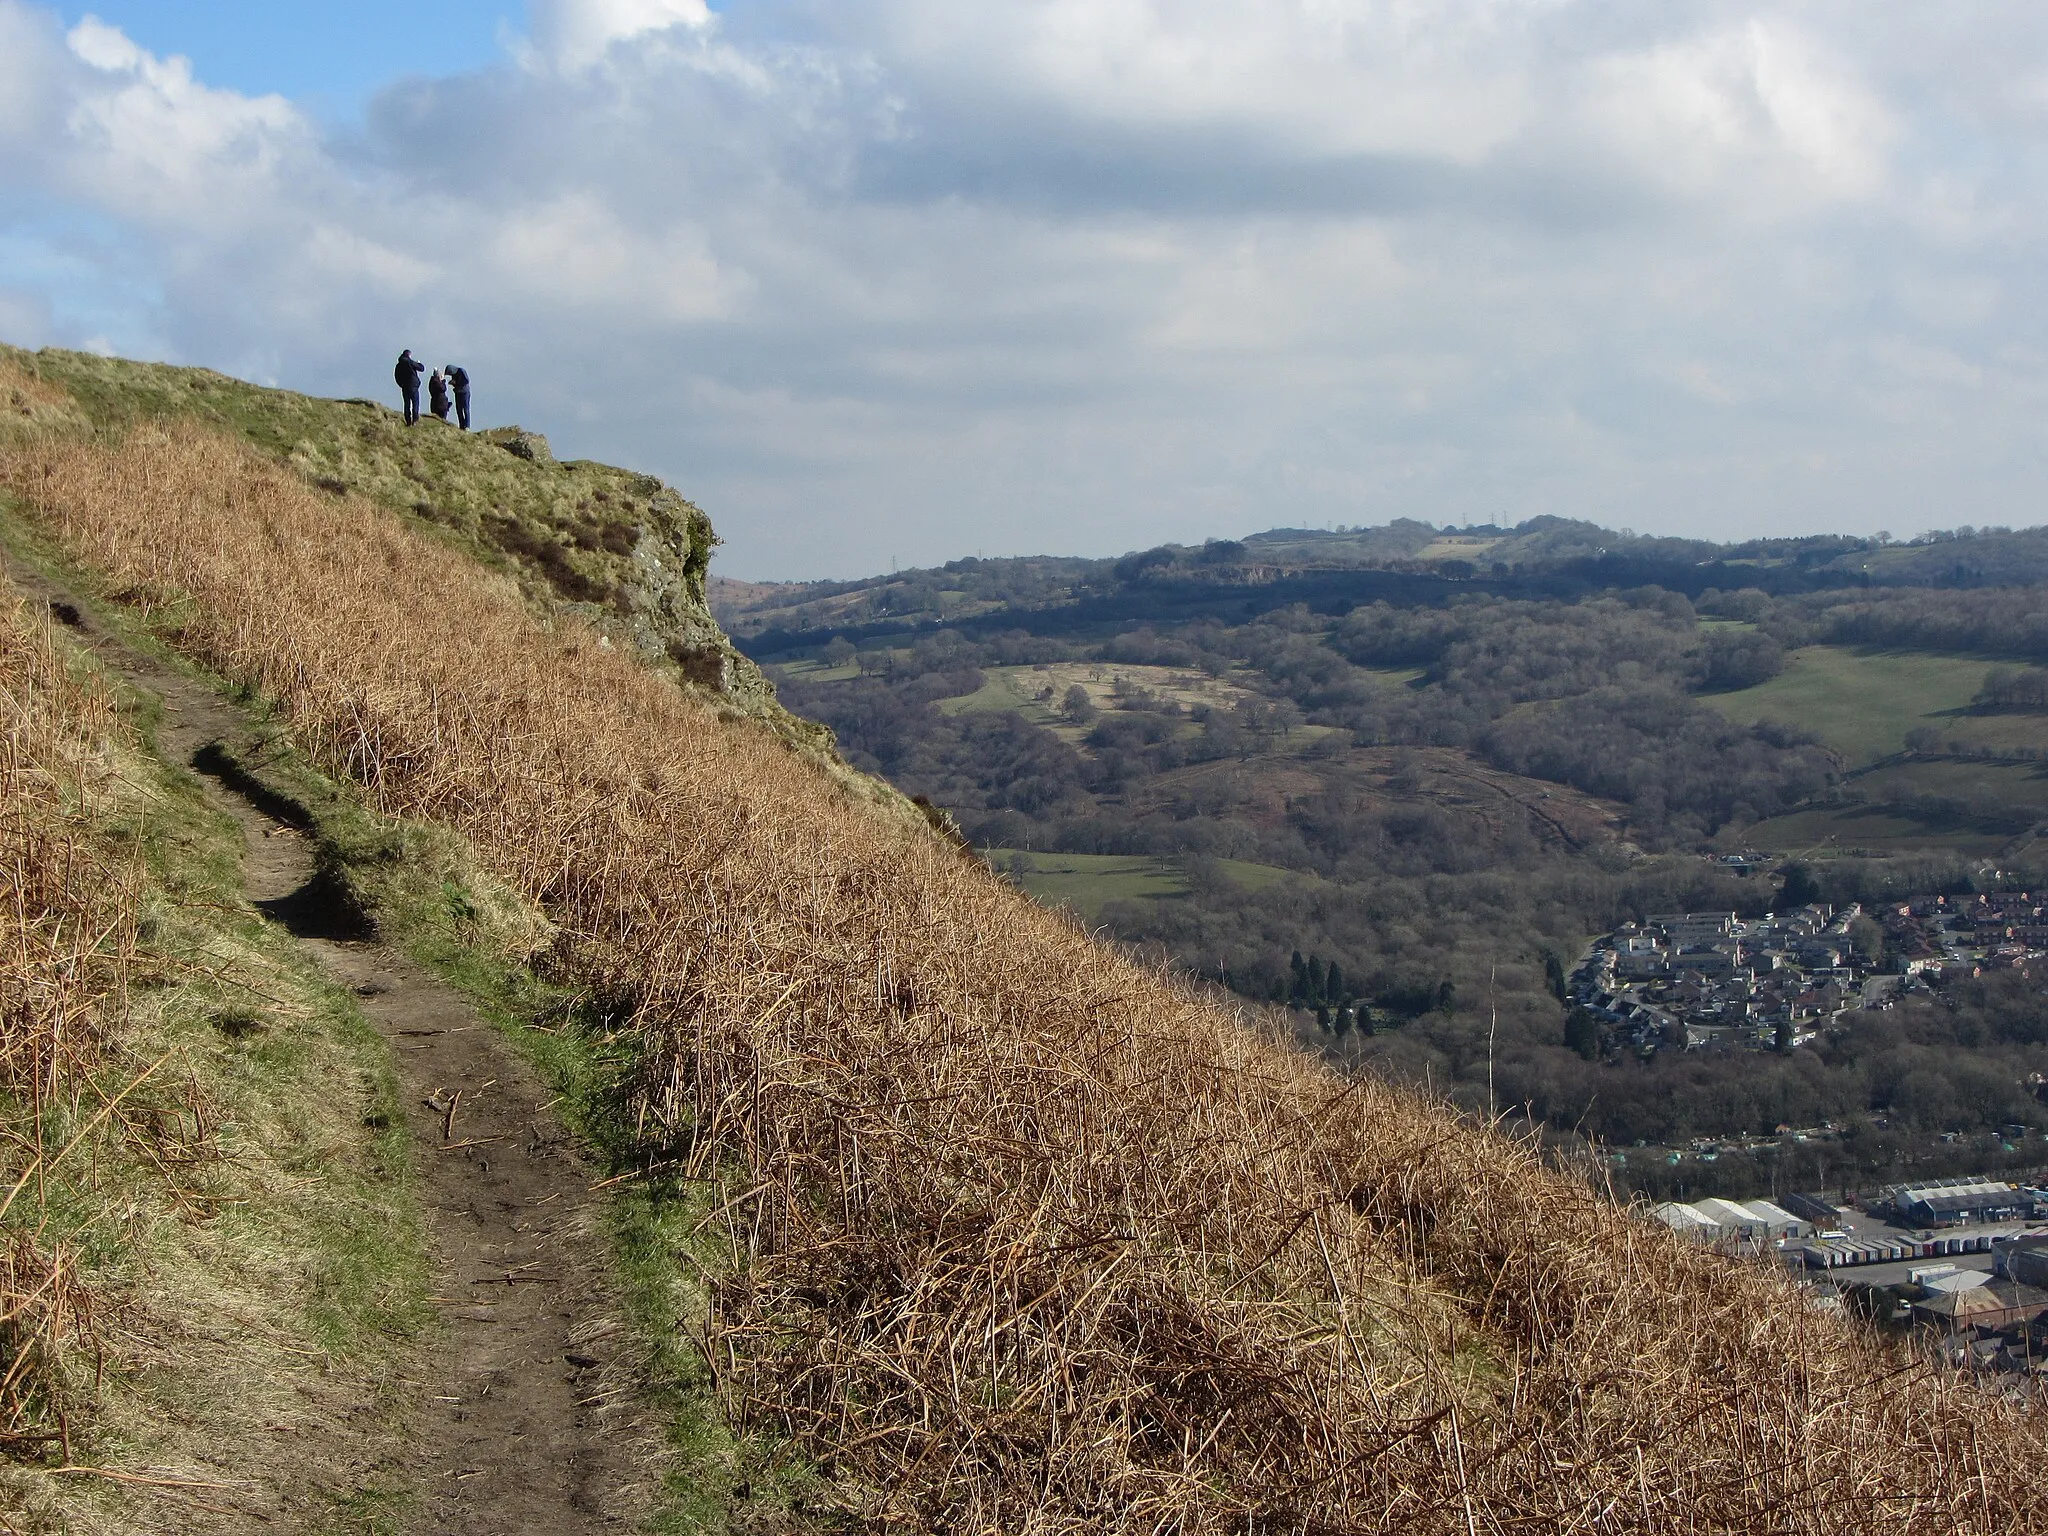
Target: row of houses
x,y
1710,980
1717,981
1935,936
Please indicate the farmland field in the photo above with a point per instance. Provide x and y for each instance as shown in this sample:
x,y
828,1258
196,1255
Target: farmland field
x,y
1863,830
1980,798
1862,703
2018,784
1084,881
1019,688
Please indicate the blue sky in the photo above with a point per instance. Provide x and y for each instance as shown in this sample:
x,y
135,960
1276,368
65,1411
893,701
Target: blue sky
x,y
327,55
916,279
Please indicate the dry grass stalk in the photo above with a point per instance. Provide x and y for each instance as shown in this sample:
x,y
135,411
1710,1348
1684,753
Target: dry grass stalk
x,y
29,405
1028,1238
67,938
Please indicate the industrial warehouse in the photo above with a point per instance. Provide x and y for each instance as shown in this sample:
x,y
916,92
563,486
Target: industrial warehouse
x,y
1959,1263
1747,1225
1932,1219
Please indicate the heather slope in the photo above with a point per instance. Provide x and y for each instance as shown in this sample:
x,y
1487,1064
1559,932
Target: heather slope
x,y
1016,1234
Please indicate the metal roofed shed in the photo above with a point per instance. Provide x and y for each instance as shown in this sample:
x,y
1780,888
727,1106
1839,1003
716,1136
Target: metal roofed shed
x,y
1778,1221
1686,1221
1994,1304
1945,1202
2025,1259
1733,1220
1955,1280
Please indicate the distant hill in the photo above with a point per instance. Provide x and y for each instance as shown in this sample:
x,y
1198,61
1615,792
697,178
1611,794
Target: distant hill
x,y
1406,561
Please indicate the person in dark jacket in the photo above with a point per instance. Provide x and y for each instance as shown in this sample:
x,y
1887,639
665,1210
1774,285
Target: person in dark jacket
x,y
437,395
458,381
407,373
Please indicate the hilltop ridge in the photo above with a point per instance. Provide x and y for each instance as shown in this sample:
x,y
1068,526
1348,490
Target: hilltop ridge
x,y
618,548
1405,561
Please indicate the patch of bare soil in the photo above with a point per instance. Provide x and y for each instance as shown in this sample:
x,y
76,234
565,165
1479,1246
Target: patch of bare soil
x,y
519,1427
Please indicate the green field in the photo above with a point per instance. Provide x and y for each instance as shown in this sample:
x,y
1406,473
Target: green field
x,y
1084,881
1862,703
1869,830
1882,828
2005,783
813,670
1006,688
1397,677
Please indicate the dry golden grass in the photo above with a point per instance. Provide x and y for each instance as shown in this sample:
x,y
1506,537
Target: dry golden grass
x,y
31,404
210,1261
1027,1238
67,938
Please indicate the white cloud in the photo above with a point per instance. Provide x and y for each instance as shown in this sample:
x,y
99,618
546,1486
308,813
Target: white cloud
x,y
575,253
1755,111
341,255
154,137
575,34
1443,80
913,278
28,43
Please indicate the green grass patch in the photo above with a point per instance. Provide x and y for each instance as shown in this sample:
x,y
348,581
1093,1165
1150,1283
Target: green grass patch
x,y
1398,677
1258,877
1916,806
1085,881
1005,689
2015,784
1862,702
1872,830
812,669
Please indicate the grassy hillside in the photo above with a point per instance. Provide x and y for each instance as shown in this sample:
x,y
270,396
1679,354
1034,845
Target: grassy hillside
x,y
618,549
1863,702
1015,1234
1870,705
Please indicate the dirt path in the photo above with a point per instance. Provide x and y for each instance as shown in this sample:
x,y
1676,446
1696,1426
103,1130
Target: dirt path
x,y
506,1436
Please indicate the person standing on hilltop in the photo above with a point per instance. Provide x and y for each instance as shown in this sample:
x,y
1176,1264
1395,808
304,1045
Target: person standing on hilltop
x,y
407,373
458,380
437,395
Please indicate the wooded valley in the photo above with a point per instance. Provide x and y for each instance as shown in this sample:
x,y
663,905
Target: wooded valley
x,y
1406,801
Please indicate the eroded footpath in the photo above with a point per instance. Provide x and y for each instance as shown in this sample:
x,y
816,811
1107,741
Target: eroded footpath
x,y
517,1425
